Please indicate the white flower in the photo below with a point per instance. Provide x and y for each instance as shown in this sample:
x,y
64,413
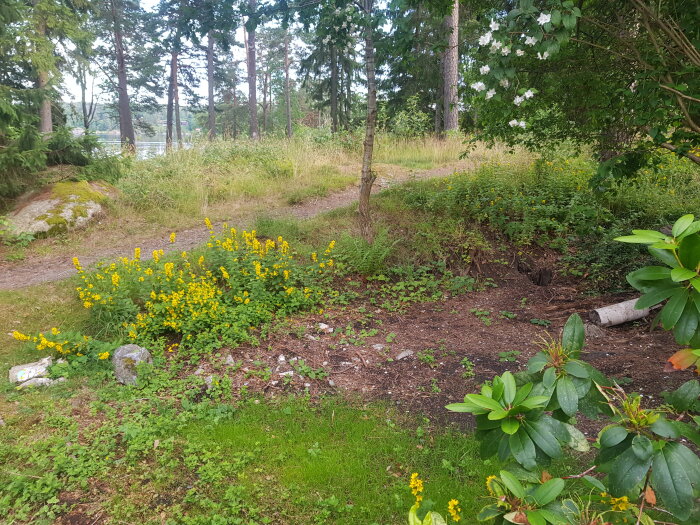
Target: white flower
x,y
494,25
543,19
522,124
505,51
513,123
496,45
530,41
518,100
528,94
327,39
485,39
344,25
520,52
505,83
490,93
478,86
484,70
543,56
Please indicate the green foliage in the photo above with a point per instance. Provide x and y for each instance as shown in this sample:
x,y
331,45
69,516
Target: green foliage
x,y
64,148
411,121
677,282
529,419
363,257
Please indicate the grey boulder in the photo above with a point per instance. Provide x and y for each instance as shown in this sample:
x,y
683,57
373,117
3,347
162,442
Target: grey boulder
x,y
125,359
22,373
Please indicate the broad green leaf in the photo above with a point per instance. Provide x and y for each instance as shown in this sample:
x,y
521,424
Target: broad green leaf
x,y
655,297
681,224
433,518
595,483
484,402
549,377
611,436
510,425
573,334
534,402
664,256
508,387
637,239
484,423
627,471
535,518
552,517
576,369
681,274
577,440
522,393
642,447
696,283
687,324
463,407
664,428
542,437
671,483
567,396
689,251
488,512
523,449
689,460
690,230
537,362
650,233
548,492
512,484
651,273
674,308
413,515
685,396
497,415
498,388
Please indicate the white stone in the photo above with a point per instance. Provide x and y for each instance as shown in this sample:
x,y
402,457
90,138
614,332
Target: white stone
x,y
326,329
40,381
21,373
404,354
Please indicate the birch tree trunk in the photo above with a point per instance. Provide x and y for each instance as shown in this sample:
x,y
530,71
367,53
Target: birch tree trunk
x,y
368,176
450,70
169,112
334,89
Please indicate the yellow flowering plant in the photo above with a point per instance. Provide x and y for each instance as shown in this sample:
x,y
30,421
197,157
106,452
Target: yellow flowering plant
x,y
422,516
204,301
73,346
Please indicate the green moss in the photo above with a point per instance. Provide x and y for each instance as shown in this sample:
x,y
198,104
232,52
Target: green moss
x,y
76,191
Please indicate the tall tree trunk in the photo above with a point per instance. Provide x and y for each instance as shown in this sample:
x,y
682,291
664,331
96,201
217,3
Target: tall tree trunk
x,y
169,112
178,122
334,89
211,122
368,176
439,102
287,87
126,123
42,80
252,77
348,94
88,109
264,104
235,110
450,65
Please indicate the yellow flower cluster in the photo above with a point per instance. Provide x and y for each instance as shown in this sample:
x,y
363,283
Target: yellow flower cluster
x,y
416,485
454,509
616,504
54,341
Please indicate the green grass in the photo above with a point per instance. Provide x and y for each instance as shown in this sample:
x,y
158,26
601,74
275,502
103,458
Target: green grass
x,y
361,456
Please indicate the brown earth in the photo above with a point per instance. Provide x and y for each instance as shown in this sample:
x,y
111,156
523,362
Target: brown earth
x,y
440,335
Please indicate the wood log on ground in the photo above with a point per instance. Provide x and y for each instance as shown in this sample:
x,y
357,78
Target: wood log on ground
x,y
619,313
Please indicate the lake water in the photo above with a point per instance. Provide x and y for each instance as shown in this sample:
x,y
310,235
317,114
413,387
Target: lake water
x,y
146,147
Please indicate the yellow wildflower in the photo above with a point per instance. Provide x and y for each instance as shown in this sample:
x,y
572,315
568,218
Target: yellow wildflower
x,y
87,304
416,485
172,237
454,509
103,355
76,263
55,331
137,253
208,223
115,279
224,273
20,336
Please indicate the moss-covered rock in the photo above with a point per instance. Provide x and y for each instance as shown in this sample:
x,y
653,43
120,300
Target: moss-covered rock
x,y
58,208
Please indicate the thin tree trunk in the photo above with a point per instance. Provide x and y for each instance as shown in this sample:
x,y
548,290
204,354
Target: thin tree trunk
x,y
126,123
348,95
252,88
264,104
287,87
368,176
334,89
178,122
42,81
235,117
450,70
169,113
211,122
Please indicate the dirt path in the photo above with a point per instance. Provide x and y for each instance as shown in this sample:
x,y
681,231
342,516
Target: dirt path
x,y
37,270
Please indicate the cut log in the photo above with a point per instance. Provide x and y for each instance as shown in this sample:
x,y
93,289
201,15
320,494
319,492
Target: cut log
x,y
617,313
